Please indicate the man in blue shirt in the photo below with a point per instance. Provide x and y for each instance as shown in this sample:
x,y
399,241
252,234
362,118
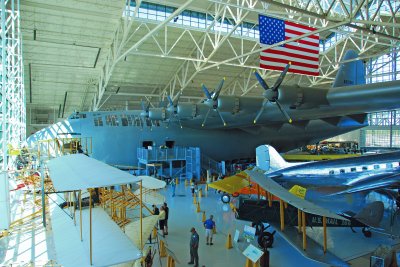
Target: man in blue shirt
x,y
194,246
209,225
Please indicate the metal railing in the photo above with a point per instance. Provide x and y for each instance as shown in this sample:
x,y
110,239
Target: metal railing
x,y
161,154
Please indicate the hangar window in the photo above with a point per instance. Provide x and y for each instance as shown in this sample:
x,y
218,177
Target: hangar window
x,y
98,121
190,18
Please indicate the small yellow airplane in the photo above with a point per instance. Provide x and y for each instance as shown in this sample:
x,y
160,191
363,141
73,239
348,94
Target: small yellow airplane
x,y
235,185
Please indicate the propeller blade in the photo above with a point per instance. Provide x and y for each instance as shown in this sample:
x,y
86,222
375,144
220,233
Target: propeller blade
x,y
218,89
281,77
260,112
206,92
220,115
261,80
170,101
205,118
283,111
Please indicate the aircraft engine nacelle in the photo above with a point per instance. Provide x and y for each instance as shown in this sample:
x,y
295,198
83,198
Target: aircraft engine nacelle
x,y
157,114
186,110
228,104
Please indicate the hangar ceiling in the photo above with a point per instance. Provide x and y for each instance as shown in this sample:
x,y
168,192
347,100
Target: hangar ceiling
x,y
101,54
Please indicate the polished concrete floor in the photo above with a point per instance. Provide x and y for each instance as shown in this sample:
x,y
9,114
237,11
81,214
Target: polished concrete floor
x,y
30,244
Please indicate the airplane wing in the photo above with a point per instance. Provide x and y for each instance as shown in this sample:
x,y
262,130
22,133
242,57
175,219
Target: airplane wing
x,y
277,190
133,230
150,197
391,180
151,182
231,184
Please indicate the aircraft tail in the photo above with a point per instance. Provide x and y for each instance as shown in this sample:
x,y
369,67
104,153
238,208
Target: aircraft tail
x,y
268,159
350,73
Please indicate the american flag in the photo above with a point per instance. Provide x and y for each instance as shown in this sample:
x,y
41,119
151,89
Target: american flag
x,y
303,53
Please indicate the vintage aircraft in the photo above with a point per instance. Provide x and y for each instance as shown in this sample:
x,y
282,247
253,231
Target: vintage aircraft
x,y
351,192
286,117
362,189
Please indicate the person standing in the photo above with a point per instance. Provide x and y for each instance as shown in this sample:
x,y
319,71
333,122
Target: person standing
x,y
156,211
209,226
161,220
192,187
194,246
166,209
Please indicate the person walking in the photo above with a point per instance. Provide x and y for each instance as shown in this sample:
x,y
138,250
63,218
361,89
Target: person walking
x,y
209,226
166,209
194,246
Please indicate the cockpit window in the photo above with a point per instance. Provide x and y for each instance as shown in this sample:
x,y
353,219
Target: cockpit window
x,y
331,172
364,168
342,171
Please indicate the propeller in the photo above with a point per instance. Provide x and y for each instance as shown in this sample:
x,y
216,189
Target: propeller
x,y
213,97
173,109
271,94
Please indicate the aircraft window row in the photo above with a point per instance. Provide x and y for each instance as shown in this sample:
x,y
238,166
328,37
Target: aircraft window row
x,y
124,120
366,168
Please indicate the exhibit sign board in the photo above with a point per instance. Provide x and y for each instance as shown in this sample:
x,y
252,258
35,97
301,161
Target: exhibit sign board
x,y
249,232
253,253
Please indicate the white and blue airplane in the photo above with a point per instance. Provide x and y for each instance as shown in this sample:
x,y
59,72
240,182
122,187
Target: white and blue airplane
x,y
231,127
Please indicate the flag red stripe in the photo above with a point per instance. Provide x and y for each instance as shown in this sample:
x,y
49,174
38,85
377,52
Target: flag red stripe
x,y
293,62
304,42
294,55
316,37
292,70
300,26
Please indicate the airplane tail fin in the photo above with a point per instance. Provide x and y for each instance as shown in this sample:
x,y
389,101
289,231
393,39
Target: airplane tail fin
x,y
350,73
268,159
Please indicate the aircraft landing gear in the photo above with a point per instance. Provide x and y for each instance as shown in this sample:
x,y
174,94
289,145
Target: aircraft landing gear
x,y
367,233
266,239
